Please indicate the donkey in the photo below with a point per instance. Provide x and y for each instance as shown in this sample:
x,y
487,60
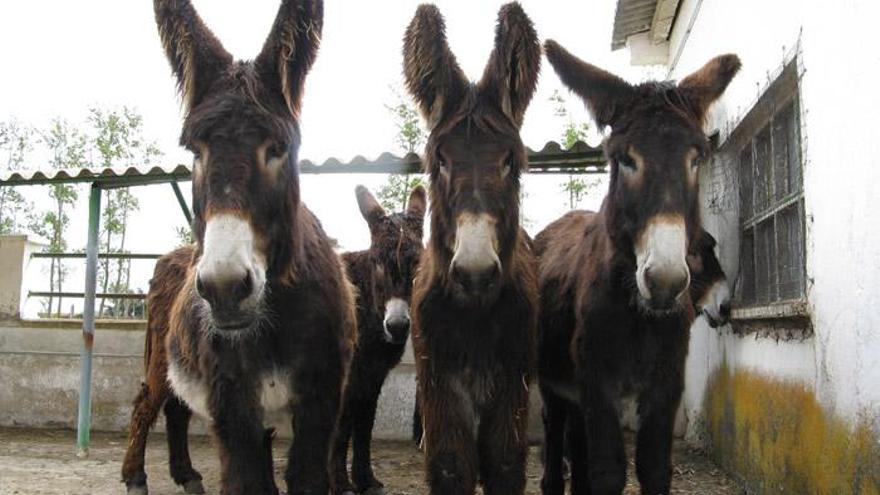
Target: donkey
x,y
475,294
708,291
168,279
383,276
615,308
264,320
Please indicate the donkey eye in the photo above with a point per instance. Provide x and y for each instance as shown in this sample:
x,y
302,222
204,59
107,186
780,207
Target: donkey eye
x,y
506,167
626,161
275,150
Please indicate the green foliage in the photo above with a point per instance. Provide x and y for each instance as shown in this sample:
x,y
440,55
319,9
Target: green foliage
x,y
16,141
410,137
67,147
118,141
577,188
394,193
184,235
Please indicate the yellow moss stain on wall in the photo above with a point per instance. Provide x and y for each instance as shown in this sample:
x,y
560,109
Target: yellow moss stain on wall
x,y
779,439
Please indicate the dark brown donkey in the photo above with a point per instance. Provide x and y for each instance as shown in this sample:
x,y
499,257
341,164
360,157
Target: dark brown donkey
x,y
475,295
615,307
383,276
708,291
264,320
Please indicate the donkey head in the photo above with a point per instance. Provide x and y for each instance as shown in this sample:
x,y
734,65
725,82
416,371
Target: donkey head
x,y
474,154
655,147
395,248
241,125
709,289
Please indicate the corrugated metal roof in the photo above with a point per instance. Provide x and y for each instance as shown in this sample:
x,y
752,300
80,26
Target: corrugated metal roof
x,y
632,17
580,158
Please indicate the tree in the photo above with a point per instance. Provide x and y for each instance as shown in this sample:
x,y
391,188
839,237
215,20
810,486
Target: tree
x,y
410,137
118,140
66,146
16,141
577,188
184,235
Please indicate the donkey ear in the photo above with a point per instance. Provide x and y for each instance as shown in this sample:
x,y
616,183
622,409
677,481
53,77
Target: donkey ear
x,y
432,74
417,203
291,48
603,92
197,57
371,210
511,75
706,85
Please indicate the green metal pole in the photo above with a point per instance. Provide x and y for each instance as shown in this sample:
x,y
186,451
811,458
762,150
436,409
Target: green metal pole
x,y
83,425
186,211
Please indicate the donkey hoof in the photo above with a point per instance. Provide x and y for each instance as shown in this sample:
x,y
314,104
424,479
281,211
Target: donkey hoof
x,y
194,487
137,490
348,492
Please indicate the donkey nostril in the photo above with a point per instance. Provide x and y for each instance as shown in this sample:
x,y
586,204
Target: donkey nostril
x,y
243,288
200,288
725,310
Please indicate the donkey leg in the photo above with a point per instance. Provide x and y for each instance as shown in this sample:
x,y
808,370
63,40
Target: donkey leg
x,y
449,443
607,458
146,407
361,462
654,445
177,417
417,422
503,442
552,481
244,459
576,443
315,419
339,459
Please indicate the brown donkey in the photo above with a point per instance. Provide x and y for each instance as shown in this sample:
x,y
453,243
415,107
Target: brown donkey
x,y
708,290
264,319
383,276
615,307
475,295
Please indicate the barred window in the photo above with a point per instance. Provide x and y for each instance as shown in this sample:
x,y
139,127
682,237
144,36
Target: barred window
x,y
772,260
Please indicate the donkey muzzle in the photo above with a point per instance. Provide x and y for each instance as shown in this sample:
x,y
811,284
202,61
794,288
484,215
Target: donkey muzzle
x,y
475,270
662,273
231,273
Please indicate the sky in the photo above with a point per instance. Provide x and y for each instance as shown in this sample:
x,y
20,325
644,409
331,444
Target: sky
x,y
63,57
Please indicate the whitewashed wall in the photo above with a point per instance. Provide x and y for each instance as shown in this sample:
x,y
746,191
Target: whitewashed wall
x,y
836,42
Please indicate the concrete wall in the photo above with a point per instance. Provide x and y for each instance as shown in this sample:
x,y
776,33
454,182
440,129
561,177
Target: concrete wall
x,y
834,375
39,363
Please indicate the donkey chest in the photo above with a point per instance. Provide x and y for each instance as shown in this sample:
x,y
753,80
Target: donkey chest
x,y
273,390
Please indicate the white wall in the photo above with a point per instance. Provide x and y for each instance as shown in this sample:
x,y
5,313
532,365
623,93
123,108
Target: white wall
x,y
841,143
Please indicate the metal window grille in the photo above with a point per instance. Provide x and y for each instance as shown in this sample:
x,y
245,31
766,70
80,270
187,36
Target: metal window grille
x,y
772,257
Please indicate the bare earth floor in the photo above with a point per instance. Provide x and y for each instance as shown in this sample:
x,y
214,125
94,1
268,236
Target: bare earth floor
x,y
38,462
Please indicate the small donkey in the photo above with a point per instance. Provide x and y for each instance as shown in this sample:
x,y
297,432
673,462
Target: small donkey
x,y
383,277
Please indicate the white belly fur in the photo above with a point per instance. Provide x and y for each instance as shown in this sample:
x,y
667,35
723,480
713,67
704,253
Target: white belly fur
x,y
275,393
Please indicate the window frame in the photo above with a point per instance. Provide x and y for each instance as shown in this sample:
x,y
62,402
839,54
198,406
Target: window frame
x,y
780,100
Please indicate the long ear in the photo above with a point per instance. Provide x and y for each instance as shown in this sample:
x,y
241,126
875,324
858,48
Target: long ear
x,y
432,74
512,72
706,85
417,203
371,210
603,92
196,55
291,48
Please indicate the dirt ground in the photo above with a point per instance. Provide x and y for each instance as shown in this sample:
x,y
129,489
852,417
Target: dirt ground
x,y
38,462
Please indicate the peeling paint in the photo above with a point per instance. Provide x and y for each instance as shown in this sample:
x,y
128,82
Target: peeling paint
x,y
776,436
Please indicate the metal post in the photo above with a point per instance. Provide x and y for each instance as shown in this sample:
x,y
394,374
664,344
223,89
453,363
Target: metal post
x,y
84,420
186,211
